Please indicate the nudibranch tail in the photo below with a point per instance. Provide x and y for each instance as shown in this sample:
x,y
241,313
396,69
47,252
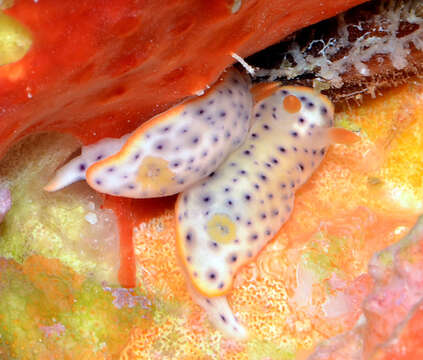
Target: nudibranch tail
x,y
226,219
343,136
220,315
75,170
175,149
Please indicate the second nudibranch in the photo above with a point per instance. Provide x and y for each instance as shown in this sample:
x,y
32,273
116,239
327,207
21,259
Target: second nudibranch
x,y
171,151
226,219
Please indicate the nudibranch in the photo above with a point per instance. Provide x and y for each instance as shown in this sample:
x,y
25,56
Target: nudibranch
x,y
226,219
220,314
171,151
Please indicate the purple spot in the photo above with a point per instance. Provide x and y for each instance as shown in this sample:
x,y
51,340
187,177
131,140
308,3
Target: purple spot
x,y
263,177
253,237
212,276
188,238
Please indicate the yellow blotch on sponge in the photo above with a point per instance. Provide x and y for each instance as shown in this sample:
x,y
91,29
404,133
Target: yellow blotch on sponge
x,y
15,40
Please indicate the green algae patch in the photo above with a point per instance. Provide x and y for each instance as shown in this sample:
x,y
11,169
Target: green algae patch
x,y
262,349
323,255
69,225
49,311
345,121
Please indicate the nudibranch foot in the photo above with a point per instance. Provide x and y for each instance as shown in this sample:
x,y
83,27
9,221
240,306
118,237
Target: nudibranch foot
x,y
226,219
174,149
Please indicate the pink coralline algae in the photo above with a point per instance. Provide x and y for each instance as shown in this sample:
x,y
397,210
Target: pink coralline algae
x,y
398,275
126,298
5,202
56,329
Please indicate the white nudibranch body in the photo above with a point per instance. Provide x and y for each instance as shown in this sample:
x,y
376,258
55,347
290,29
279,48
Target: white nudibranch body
x,y
171,151
226,219
75,170
220,314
